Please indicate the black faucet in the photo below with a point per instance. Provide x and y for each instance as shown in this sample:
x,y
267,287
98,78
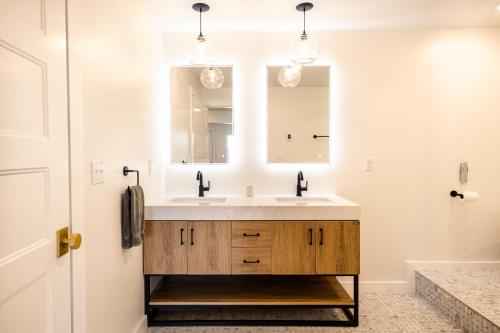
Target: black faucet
x,y
300,177
201,188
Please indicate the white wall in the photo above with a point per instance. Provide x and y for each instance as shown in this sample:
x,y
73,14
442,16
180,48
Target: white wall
x,y
418,101
301,112
116,88
217,98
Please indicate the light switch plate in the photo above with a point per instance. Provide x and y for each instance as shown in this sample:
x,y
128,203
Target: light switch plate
x,y
97,172
150,168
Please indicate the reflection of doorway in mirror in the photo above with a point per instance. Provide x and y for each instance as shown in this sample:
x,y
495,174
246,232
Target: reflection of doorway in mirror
x,y
199,131
219,137
201,119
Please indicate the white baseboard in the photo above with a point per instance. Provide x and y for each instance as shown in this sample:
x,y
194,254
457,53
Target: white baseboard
x,y
413,265
141,325
375,286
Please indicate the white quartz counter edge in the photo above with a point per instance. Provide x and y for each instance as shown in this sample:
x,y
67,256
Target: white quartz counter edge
x,y
255,208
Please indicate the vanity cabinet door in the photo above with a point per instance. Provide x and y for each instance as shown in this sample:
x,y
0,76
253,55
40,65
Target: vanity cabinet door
x,y
165,247
337,247
209,248
293,248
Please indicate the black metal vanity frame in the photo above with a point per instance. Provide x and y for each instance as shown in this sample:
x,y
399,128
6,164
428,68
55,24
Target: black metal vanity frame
x,y
352,317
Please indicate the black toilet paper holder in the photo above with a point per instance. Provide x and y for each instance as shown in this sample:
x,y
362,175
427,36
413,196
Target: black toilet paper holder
x,y
455,194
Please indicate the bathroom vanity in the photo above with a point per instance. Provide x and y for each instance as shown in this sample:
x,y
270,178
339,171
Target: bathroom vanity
x,y
251,252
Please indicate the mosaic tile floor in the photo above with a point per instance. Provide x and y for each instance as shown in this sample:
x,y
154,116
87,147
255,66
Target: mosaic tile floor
x,y
479,290
379,313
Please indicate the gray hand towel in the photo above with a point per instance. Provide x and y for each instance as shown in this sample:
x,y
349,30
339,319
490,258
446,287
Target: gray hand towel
x,y
132,217
137,215
126,232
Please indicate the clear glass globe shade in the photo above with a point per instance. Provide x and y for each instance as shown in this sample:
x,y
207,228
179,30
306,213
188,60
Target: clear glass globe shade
x,y
212,78
305,50
201,53
289,76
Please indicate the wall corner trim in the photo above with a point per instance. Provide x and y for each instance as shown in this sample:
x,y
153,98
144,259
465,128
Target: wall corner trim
x,y
141,325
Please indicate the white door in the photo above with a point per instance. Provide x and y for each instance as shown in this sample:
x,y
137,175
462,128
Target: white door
x,y
199,130
34,201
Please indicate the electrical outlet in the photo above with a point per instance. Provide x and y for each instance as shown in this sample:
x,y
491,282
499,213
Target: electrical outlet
x,y
97,172
369,163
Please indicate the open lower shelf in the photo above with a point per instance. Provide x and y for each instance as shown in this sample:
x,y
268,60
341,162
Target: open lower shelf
x,y
250,291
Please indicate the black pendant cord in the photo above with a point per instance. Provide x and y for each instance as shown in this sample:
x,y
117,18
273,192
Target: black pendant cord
x,y
201,35
304,31
304,7
200,8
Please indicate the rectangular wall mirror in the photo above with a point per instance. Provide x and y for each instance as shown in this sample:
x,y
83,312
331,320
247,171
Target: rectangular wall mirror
x,y
201,118
298,129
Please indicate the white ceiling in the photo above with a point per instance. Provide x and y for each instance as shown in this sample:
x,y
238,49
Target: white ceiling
x,y
253,15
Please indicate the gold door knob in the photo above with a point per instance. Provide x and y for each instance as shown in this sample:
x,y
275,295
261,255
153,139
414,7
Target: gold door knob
x,y
66,242
74,241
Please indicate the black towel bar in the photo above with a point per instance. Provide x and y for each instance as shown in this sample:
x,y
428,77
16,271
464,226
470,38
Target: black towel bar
x,y
126,170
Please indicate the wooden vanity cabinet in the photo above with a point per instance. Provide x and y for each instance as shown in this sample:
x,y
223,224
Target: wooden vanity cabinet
x,y
252,247
251,263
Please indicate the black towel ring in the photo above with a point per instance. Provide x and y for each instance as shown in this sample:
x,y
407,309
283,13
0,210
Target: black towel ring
x,y
126,171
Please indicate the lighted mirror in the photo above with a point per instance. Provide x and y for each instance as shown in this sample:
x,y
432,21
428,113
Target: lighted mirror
x,y
201,114
298,129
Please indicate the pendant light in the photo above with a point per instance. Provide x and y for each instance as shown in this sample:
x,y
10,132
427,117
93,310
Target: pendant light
x,y
202,53
212,78
304,50
289,76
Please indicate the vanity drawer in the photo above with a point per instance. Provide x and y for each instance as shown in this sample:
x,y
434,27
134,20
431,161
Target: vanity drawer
x,y
251,261
251,234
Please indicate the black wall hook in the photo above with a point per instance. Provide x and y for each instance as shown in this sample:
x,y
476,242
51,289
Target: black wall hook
x,y
126,171
455,194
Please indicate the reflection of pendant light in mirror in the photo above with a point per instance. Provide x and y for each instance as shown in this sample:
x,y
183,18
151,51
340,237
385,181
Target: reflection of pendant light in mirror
x,y
212,78
201,54
304,50
289,76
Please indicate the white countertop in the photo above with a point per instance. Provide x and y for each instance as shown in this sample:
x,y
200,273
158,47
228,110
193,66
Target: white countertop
x,y
254,208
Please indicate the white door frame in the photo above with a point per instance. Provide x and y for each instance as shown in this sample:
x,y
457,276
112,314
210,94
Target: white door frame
x,y
77,167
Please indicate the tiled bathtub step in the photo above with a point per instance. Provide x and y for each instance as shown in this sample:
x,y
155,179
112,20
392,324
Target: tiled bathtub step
x,y
466,300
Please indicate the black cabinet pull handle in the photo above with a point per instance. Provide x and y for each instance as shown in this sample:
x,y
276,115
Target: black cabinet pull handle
x,y
321,236
251,261
251,235
310,236
192,236
182,232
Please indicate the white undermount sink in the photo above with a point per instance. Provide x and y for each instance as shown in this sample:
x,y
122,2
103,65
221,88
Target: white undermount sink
x,y
302,199
201,200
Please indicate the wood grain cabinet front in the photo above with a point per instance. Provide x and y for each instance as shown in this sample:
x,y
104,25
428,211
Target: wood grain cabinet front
x,y
252,247
315,247
165,247
209,248
251,261
251,233
293,247
337,247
